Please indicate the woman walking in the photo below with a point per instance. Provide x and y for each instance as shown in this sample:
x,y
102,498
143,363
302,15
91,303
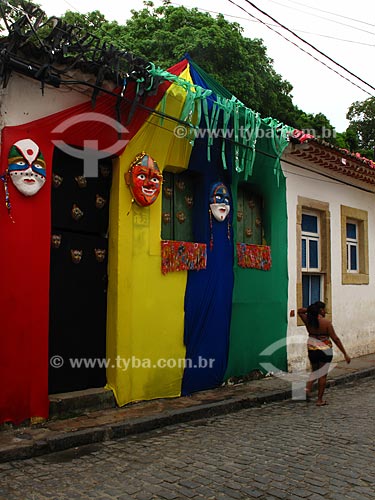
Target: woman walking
x,y
319,346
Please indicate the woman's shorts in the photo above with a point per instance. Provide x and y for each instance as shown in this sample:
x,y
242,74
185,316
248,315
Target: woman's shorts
x,y
318,356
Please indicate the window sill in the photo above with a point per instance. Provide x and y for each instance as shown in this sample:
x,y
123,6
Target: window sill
x,y
355,279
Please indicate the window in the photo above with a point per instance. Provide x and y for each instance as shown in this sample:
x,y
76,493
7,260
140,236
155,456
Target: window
x,y
351,247
249,216
311,283
177,206
310,242
354,246
311,289
313,253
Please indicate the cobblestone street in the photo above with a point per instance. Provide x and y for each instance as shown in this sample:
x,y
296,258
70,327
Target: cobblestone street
x,y
290,450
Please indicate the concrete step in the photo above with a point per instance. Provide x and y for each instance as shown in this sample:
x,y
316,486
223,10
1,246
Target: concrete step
x,y
71,404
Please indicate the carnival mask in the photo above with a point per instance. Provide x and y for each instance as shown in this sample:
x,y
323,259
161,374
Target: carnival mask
x,y
219,201
144,180
27,167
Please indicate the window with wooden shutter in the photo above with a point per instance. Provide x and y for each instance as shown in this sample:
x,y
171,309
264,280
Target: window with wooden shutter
x,y
177,206
249,216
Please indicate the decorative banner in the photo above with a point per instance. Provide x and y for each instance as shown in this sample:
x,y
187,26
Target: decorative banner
x,y
144,180
254,256
182,256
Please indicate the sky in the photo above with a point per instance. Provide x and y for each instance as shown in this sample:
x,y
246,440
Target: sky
x,y
344,31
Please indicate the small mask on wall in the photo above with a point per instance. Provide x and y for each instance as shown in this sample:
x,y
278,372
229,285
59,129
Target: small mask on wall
x,y
76,255
104,170
168,191
27,167
144,180
181,217
57,180
251,203
219,201
166,217
100,201
56,240
81,181
100,254
180,184
77,213
189,200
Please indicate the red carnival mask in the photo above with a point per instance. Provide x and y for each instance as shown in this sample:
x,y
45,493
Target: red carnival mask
x,y
144,180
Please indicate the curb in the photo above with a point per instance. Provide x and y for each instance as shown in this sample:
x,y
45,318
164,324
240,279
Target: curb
x,y
66,440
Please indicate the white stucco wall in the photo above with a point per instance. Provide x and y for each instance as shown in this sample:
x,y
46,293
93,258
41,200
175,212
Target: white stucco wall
x,y
353,306
21,101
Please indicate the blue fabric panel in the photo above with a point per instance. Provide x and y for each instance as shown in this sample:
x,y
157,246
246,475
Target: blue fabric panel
x,y
208,297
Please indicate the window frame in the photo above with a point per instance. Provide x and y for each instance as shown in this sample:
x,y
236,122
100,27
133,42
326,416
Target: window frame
x,y
321,209
308,237
350,215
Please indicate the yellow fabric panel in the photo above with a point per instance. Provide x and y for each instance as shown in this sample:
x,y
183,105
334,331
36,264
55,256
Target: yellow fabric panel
x,y
145,309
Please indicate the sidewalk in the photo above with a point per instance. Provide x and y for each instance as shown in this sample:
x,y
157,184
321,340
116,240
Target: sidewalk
x,y
110,422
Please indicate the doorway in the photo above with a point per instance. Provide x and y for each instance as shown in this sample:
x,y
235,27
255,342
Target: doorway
x,y
78,275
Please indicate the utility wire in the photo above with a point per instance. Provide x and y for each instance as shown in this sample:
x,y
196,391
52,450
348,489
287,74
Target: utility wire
x,y
307,43
332,13
303,50
268,24
325,18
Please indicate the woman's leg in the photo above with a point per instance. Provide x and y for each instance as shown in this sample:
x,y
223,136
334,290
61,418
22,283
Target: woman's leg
x,y
322,382
314,367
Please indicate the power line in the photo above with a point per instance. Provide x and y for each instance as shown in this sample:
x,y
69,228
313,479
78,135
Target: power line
x,y
332,13
307,43
325,18
268,24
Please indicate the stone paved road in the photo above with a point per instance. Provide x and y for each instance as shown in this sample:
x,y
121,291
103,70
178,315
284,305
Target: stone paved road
x,y
290,450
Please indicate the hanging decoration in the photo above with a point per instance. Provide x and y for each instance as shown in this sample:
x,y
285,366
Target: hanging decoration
x,y
219,207
219,201
76,255
182,256
56,180
254,256
100,201
26,166
100,254
56,240
76,212
144,180
4,179
81,181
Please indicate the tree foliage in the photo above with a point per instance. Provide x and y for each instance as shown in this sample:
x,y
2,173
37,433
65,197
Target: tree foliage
x,y
361,116
163,35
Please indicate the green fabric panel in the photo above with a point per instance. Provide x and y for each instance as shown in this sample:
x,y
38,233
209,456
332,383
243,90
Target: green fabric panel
x,y
167,207
183,207
259,313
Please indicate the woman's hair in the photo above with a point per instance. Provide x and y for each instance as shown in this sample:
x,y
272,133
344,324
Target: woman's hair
x,y
313,313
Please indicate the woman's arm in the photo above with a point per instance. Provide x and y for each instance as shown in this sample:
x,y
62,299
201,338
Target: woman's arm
x,y
302,313
338,342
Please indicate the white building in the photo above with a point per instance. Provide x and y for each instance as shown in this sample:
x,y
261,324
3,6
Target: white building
x,y
331,242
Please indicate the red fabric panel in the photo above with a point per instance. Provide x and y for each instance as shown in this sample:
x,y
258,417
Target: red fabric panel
x,y
24,293
25,253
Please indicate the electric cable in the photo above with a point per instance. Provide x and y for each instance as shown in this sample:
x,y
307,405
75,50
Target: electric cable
x,y
268,24
325,18
305,51
328,12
